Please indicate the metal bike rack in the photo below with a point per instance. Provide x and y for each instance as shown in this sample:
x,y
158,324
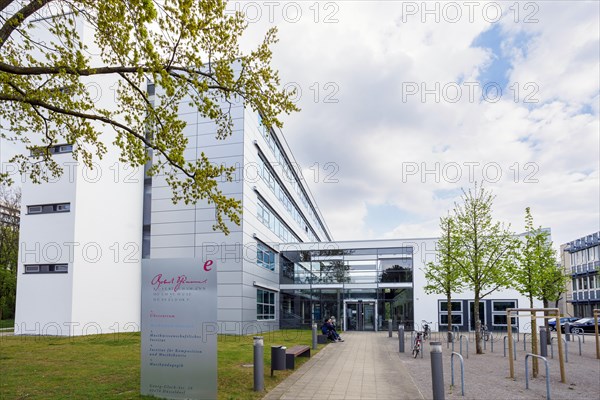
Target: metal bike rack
x,y
566,348
582,334
462,371
547,373
514,347
579,339
492,341
467,340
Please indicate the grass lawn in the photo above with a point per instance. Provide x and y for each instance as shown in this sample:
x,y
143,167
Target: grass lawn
x,y
108,366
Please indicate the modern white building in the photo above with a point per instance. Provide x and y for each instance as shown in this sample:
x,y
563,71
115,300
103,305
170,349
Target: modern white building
x,y
80,244
79,266
277,207
581,260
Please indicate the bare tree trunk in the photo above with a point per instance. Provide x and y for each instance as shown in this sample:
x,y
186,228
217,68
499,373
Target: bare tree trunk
x,y
534,348
448,300
478,346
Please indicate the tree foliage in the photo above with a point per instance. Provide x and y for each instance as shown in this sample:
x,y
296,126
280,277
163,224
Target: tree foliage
x,y
444,277
10,203
51,50
486,249
538,275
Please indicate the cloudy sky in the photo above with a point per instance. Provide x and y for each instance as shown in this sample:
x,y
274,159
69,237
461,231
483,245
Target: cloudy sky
x,y
406,103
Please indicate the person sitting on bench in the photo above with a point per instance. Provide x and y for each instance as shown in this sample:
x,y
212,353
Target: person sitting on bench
x,y
329,330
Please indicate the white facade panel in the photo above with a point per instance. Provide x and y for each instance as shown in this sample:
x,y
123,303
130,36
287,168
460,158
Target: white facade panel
x,y
173,216
175,228
159,241
173,252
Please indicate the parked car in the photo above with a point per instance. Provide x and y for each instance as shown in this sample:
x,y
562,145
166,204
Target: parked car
x,y
584,325
563,320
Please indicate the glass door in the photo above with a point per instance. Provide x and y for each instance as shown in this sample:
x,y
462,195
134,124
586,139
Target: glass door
x,y
360,316
368,317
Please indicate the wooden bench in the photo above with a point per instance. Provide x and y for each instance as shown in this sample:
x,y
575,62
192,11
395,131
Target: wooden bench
x,y
293,352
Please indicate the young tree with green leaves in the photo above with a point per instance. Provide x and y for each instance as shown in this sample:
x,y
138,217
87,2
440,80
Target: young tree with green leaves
x,y
538,275
185,47
444,276
486,250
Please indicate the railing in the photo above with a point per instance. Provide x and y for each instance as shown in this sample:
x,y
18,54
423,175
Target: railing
x,y
547,373
462,371
467,340
514,347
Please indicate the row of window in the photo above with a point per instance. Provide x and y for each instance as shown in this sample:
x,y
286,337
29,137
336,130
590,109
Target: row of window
x,y
275,225
56,149
265,304
498,312
586,255
287,169
49,208
265,257
285,199
46,268
586,282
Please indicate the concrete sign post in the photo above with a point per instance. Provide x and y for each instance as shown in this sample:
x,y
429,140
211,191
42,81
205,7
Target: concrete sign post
x,y
179,328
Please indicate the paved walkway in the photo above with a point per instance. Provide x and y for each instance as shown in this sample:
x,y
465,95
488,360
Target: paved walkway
x,y
366,366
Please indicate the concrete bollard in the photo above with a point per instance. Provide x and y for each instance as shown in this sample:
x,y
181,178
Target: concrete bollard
x,y
390,327
314,336
401,338
543,342
259,367
437,371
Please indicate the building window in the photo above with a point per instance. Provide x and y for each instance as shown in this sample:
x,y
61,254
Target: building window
x,y
265,257
499,312
456,312
49,208
265,304
46,268
271,221
56,149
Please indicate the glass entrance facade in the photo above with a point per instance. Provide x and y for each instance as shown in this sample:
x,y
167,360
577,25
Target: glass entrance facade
x,y
362,288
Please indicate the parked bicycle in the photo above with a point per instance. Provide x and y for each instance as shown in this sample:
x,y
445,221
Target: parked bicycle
x,y
417,345
426,330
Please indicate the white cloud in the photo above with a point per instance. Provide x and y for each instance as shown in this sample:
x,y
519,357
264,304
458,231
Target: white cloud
x,y
546,151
